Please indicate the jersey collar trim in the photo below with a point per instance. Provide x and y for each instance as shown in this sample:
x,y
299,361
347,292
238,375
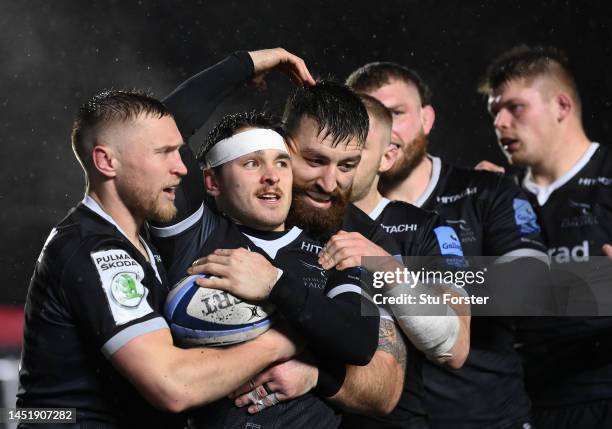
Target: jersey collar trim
x,y
542,193
271,247
93,205
433,181
379,208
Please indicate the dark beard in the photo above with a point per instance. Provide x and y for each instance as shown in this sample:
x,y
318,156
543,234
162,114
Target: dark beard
x,y
319,223
411,156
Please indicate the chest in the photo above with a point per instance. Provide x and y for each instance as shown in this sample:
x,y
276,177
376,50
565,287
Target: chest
x,y
576,222
466,216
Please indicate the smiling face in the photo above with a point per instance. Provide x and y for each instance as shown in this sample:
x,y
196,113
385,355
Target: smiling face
x,y
524,120
150,166
255,189
322,175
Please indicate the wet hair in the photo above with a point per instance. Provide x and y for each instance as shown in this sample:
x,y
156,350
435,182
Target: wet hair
x,y
335,108
107,108
372,76
376,109
526,62
232,123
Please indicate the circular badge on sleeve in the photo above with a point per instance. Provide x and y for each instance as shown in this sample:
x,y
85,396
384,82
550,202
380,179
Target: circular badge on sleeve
x,y
127,289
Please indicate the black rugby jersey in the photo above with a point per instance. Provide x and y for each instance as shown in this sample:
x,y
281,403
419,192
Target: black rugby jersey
x,y
92,291
329,327
568,359
492,217
413,230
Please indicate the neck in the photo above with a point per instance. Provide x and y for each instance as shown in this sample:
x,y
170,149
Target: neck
x,y
115,208
560,160
371,200
413,186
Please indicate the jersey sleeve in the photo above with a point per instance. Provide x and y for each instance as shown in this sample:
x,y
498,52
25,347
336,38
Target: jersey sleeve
x,y
332,322
511,225
193,101
106,290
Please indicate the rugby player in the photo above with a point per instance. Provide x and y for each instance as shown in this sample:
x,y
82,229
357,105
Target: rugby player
x,y
537,111
94,338
491,216
376,388
248,173
253,191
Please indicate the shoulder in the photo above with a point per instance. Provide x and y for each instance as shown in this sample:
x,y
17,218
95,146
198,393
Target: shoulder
x,y
80,238
80,229
356,220
405,210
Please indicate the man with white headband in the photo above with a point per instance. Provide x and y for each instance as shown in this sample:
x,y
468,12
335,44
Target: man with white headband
x,y
334,142
248,173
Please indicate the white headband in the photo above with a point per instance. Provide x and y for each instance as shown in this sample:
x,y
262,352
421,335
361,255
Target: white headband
x,y
242,143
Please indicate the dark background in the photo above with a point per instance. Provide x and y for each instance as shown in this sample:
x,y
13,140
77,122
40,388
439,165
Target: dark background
x,y
55,54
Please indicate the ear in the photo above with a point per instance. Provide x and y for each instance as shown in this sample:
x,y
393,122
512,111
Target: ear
x,y
104,160
391,154
564,106
428,116
210,182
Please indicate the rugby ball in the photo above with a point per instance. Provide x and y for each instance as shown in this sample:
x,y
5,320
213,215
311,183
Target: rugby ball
x,y
200,316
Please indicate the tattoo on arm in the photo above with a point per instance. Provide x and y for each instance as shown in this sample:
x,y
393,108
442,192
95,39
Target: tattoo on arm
x,y
391,341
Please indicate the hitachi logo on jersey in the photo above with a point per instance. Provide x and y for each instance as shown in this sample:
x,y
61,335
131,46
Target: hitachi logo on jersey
x,y
405,227
116,260
310,247
592,181
447,199
562,254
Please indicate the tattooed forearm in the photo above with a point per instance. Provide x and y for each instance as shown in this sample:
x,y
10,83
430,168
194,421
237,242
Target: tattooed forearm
x,y
391,341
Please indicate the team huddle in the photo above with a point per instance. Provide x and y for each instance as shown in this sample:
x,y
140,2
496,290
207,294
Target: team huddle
x,y
284,218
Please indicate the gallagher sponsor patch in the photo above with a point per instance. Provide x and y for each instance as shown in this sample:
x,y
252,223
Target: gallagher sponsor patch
x,y
525,217
448,241
121,278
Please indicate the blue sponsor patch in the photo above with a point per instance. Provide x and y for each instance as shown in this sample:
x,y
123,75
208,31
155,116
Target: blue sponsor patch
x,y
448,241
525,217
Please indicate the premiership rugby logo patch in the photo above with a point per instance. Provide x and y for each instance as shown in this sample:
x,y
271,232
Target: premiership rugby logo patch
x,y
448,241
525,217
121,278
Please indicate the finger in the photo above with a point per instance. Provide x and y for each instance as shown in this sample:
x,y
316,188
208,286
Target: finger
x,y
199,266
215,283
224,252
218,259
489,166
341,249
243,400
305,75
211,268
353,261
267,402
261,379
607,250
245,388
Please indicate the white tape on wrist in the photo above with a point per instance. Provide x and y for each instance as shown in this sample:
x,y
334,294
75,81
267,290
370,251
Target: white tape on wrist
x,y
244,143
